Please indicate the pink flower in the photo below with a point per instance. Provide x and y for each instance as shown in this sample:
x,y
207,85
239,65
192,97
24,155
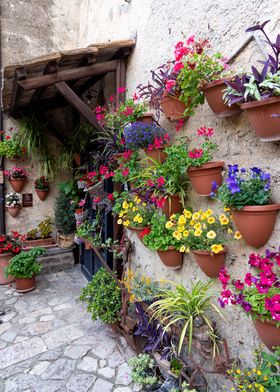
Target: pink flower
x,y
248,279
160,202
112,98
239,285
190,40
128,111
166,137
158,142
150,183
224,277
91,175
135,97
207,132
103,169
195,154
97,199
180,124
111,197
109,175
81,203
125,172
127,154
160,181
178,66
145,231
170,84
122,142
121,90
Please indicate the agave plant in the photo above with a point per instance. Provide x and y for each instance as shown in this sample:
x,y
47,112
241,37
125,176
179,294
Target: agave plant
x,y
184,307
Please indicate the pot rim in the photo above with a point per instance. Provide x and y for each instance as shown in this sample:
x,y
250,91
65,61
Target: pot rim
x,y
208,165
266,207
216,82
148,114
12,207
17,179
267,101
207,252
169,248
138,228
270,322
41,190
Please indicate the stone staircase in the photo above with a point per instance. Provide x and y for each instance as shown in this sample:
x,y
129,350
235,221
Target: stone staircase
x,y
57,259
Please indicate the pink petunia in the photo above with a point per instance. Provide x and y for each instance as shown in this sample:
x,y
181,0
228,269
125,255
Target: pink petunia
x,y
121,90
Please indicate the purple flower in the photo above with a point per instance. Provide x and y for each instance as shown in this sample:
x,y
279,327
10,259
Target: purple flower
x,y
243,170
214,186
246,306
267,187
232,170
233,185
212,195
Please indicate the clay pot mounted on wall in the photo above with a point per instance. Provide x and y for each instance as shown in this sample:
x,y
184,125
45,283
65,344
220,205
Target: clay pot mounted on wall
x,y
202,177
155,155
41,194
260,114
172,205
210,263
171,258
138,231
13,211
214,92
256,223
4,262
23,285
268,333
173,108
147,118
17,183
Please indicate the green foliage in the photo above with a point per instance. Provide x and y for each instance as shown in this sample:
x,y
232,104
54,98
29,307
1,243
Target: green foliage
x,y
90,231
183,306
118,117
264,377
103,297
160,238
42,184
131,165
143,370
24,265
11,147
176,366
64,219
45,228
71,190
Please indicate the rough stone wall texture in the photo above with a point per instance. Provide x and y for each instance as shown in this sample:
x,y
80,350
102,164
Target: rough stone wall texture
x,y
158,24
32,28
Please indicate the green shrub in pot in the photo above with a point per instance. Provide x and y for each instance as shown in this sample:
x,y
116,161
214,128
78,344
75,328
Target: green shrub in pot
x,y
25,265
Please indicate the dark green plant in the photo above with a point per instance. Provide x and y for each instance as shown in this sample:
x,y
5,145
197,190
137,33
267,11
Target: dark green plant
x,y
103,297
64,214
24,265
176,366
143,370
11,146
71,190
160,238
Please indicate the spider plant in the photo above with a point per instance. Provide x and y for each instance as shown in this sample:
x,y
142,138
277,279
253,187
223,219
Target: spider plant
x,y
182,306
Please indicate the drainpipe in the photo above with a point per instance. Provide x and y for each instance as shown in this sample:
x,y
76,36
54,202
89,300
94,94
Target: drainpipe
x,y
2,187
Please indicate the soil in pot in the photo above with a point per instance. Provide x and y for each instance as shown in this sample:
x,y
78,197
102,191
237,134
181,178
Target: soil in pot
x,y
41,194
156,155
172,205
4,262
171,258
210,263
173,108
260,116
17,183
256,223
214,92
13,211
268,333
23,285
202,177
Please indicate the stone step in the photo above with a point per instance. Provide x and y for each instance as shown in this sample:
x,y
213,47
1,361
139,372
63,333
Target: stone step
x,y
57,259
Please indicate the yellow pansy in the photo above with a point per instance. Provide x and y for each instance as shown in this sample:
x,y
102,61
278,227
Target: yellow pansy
x,y
182,220
216,248
209,212
187,214
197,226
197,233
121,214
211,234
177,235
192,222
181,228
130,205
135,219
224,221
126,223
169,224
140,219
221,217
211,220
125,205
237,235
203,216
182,248
185,233
196,216
119,221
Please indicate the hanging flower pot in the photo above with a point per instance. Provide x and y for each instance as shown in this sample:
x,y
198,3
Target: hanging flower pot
x,y
87,244
256,223
260,116
156,155
147,118
4,262
171,258
23,285
210,263
214,92
140,231
203,176
13,211
17,183
42,194
79,211
172,205
268,333
173,108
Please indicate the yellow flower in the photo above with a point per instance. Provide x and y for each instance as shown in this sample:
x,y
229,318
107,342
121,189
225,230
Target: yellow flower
x,y
187,214
261,388
250,386
192,222
238,371
197,226
181,228
203,216
197,233
185,233
221,217
254,370
226,209
224,221
144,204
130,205
248,373
135,219
209,212
211,220
230,231
169,224
177,235
119,221
182,220
121,214
259,373
216,248
173,216
125,205
126,223
140,219
182,248
211,234
265,378
134,209
237,235
196,216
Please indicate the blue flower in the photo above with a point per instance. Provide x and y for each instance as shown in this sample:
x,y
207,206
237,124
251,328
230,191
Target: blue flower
x,y
265,176
232,170
243,170
256,170
267,187
233,185
214,186
212,195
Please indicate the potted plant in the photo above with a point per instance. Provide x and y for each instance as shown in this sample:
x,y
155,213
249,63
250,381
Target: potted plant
x,y
179,307
161,240
258,295
247,193
90,233
143,372
12,203
24,267
202,171
205,235
11,147
103,297
42,187
70,189
152,138
258,92
41,235
10,245
17,177
64,220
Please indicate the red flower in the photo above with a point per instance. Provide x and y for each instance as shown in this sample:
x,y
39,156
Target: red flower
x,y
135,97
179,125
125,172
103,169
160,202
178,66
128,111
111,197
8,137
170,84
160,181
127,154
145,231
112,98
97,199
122,142
195,154
121,90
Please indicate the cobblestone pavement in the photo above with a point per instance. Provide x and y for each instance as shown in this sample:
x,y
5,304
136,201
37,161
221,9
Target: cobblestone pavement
x,y
49,343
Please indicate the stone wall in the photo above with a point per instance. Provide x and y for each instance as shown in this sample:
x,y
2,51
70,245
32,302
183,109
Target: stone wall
x,y
157,25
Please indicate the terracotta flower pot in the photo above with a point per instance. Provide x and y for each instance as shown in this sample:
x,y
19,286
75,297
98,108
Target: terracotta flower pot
x,y
210,263
214,92
65,241
172,205
41,194
39,242
171,258
79,211
13,211
77,158
4,262
147,118
23,285
203,176
268,333
156,155
87,244
256,223
259,114
17,183
138,231
173,108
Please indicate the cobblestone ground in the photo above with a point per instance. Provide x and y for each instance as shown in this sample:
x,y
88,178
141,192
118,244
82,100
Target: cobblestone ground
x,y
49,343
